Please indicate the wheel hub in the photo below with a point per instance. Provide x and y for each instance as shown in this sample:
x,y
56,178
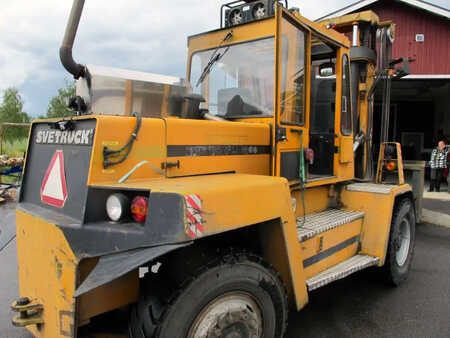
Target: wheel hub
x,y
233,315
403,242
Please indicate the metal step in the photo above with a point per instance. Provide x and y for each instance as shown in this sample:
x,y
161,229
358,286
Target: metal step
x,y
323,221
371,187
341,270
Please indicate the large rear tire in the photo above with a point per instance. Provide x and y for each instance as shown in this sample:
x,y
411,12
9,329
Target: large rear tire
x,y
401,243
236,295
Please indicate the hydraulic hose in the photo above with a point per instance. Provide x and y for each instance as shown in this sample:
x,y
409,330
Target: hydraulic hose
x,y
302,175
123,152
136,167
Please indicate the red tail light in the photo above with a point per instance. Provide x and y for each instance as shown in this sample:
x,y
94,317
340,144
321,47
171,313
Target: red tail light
x,y
139,208
391,166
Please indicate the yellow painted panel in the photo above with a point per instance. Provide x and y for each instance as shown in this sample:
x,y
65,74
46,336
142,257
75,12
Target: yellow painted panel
x,y
377,219
346,149
332,260
114,132
350,19
47,272
331,238
120,292
316,199
243,164
210,133
223,199
251,31
378,210
201,132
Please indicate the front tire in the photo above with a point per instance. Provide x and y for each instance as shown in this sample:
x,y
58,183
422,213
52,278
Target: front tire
x,y
236,295
401,243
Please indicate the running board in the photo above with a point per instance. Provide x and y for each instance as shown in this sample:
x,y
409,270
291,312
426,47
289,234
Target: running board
x,y
341,270
323,221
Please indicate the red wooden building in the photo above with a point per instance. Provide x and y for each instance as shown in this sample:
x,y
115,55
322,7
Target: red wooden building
x,y
420,110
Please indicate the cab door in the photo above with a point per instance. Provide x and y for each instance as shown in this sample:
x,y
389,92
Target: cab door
x,y
323,109
290,135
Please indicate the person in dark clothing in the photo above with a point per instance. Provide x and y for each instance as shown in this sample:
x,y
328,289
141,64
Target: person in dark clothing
x,y
448,168
438,163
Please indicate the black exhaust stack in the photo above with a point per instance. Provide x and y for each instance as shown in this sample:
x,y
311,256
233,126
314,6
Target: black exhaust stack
x,y
65,52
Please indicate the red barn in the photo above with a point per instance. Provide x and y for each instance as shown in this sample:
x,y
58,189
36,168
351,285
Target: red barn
x,y
420,102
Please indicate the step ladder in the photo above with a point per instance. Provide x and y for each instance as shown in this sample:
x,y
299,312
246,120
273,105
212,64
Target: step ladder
x,y
341,270
324,221
313,224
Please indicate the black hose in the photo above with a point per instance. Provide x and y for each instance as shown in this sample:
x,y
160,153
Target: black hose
x,y
125,150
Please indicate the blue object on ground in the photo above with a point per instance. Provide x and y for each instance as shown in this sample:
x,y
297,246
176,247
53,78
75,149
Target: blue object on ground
x,y
13,170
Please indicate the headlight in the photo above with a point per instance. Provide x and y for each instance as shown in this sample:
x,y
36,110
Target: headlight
x,y
117,205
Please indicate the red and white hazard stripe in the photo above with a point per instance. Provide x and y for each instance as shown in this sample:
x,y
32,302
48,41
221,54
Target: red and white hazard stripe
x,y
194,216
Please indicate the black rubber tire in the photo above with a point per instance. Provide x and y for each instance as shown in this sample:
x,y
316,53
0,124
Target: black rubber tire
x,y
153,317
396,274
146,314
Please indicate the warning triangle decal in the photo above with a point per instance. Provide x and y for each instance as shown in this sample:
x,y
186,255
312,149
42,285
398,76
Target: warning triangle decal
x,y
54,188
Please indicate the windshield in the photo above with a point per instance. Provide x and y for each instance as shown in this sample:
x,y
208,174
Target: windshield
x,y
241,83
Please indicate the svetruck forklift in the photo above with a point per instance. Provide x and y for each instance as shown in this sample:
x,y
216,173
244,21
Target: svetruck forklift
x,y
206,207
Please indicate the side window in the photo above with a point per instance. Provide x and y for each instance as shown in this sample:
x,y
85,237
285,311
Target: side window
x,y
323,87
346,113
293,74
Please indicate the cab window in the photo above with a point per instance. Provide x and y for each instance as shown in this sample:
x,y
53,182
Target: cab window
x,y
346,113
292,107
241,84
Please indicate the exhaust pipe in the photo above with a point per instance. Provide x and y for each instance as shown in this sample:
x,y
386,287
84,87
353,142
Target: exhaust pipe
x,y
65,52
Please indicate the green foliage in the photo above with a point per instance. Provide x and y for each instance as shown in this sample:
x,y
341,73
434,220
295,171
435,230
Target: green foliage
x,y
15,148
57,106
11,110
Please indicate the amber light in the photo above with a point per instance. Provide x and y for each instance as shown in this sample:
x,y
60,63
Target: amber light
x,y
139,208
390,166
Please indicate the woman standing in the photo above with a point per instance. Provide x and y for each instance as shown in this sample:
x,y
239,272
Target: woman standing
x,y
438,163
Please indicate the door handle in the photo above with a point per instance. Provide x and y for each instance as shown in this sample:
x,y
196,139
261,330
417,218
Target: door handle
x,y
168,165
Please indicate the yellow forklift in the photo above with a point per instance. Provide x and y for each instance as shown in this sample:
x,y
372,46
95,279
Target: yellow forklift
x,y
207,207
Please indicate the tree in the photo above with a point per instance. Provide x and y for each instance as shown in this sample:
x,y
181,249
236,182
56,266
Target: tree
x,y
57,106
11,110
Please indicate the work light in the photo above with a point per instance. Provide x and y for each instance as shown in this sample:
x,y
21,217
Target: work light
x,y
259,11
117,206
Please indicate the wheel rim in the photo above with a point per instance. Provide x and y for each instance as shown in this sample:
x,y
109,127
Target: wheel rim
x,y
404,242
233,315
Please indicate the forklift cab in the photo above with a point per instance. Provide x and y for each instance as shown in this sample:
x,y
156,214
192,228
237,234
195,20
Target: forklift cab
x,y
285,71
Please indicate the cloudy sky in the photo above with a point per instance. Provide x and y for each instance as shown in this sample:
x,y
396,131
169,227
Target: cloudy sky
x,y
135,34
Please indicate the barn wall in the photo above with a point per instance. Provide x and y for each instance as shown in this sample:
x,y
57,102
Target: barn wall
x,y
433,55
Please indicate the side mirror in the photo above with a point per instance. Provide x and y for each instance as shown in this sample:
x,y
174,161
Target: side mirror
x,y
327,69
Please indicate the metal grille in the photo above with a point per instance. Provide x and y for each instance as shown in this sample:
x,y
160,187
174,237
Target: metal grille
x,y
324,221
341,270
371,187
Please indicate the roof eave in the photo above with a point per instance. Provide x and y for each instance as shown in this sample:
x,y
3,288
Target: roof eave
x,y
433,9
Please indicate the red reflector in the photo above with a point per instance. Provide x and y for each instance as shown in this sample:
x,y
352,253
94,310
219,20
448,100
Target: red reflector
x,y
139,208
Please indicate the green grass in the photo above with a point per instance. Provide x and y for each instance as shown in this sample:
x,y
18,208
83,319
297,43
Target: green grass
x,y
15,148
